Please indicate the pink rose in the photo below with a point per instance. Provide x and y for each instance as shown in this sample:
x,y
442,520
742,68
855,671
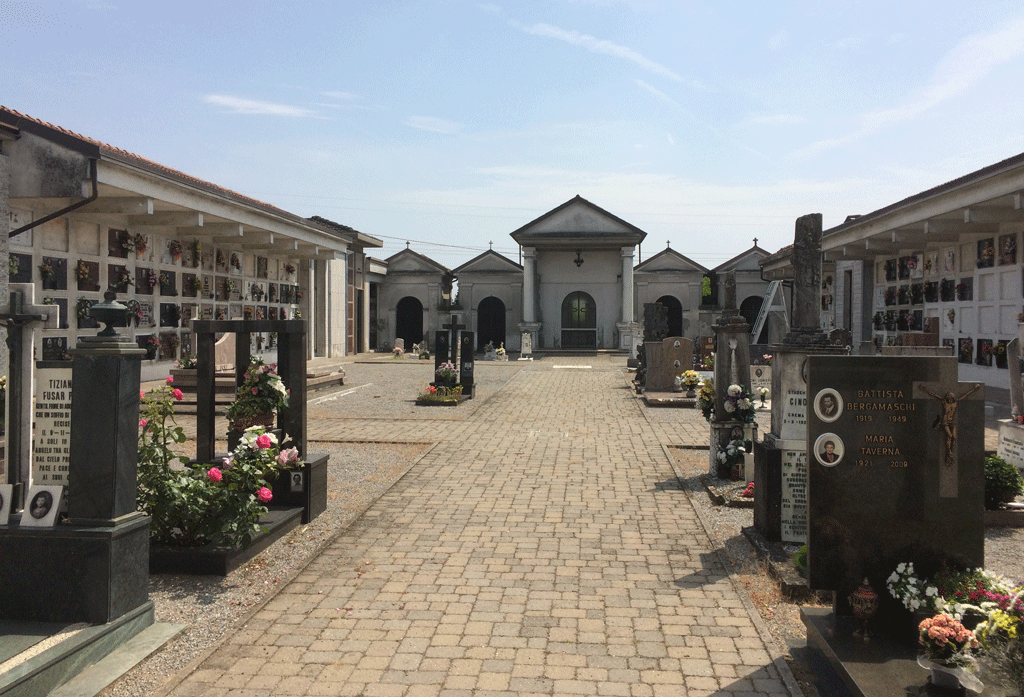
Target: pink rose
x,y
142,423
142,395
178,394
264,495
214,474
286,456
263,442
170,378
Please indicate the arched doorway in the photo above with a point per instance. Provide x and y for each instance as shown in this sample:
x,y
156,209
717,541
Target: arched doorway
x,y
409,321
490,322
675,314
579,321
750,309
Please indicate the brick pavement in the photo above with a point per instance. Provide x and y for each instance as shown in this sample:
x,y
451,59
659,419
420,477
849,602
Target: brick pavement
x,y
542,548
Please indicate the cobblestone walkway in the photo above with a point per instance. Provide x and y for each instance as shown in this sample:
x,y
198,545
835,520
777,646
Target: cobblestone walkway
x,y
542,548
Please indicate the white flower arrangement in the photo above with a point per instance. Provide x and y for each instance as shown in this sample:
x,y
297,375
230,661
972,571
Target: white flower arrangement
x,y
732,452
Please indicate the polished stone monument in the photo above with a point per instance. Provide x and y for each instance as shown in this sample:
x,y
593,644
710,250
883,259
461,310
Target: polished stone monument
x,y
94,568
895,452
664,360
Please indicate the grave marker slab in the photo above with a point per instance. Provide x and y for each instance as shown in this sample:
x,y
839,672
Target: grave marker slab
x,y
903,480
52,427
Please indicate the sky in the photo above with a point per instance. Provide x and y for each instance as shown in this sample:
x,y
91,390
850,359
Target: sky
x,y
451,124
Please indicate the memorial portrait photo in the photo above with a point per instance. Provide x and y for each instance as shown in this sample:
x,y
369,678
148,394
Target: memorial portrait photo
x,y
41,505
297,482
829,449
828,405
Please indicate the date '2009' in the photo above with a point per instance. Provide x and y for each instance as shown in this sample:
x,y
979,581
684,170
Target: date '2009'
x,y
894,464
893,418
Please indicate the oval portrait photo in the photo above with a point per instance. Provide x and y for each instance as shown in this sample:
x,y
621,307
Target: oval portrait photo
x,y
41,504
828,449
828,405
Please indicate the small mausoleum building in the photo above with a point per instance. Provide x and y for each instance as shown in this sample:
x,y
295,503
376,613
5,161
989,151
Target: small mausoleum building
x,y
675,281
578,278
491,289
411,299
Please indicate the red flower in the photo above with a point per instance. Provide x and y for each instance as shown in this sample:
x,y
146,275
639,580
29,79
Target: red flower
x,y
178,394
264,495
170,379
263,442
214,474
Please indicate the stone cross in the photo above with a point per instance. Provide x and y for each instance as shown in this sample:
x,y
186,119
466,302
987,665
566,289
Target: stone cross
x,y
948,392
20,318
453,328
807,273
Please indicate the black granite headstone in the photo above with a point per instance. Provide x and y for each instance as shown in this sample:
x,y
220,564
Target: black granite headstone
x,y
442,352
466,364
895,465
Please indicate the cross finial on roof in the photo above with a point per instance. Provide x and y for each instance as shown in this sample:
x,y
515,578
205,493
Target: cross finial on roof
x,y
407,244
668,243
490,245
755,241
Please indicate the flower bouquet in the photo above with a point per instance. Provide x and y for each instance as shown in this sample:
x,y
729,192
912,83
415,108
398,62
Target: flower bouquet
x,y
739,403
691,379
1002,638
706,399
947,652
439,395
397,352
175,249
729,458
446,375
260,396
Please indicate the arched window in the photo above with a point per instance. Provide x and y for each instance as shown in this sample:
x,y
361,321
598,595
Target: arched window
x,y
579,321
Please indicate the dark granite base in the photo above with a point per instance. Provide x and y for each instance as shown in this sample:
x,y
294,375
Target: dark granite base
x,y
313,497
219,560
58,664
879,667
73,574
447,403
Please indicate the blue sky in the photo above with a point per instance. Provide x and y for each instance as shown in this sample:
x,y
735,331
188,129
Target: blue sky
x,y
454,123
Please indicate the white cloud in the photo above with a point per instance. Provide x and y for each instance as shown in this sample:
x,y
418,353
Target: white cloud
x,y
340,96
965,65
596,45
647,87
433,124
240,105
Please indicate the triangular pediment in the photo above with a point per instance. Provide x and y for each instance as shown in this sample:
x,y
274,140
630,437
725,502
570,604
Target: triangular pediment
x,y
744,261
669,260
408,261
489,262
578,219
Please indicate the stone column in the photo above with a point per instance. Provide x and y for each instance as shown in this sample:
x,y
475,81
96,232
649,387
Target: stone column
x,y
529,283
627,285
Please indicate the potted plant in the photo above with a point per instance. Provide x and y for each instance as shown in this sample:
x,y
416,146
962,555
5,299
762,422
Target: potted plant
x,y
261,395
152,346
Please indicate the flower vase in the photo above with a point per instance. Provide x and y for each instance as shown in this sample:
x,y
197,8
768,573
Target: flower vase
x,y
944,678
691,393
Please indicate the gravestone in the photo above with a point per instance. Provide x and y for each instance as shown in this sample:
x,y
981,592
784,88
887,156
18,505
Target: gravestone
x,y
760,376
895,464
1011,431
400,344
21,316
666,359
655,321
526,347
443,350
94,568
780,461
466,364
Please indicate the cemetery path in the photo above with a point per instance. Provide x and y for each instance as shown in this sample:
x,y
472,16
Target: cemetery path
x,y
542,547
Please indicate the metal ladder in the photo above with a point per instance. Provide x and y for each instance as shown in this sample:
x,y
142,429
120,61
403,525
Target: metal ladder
x,y
774,289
